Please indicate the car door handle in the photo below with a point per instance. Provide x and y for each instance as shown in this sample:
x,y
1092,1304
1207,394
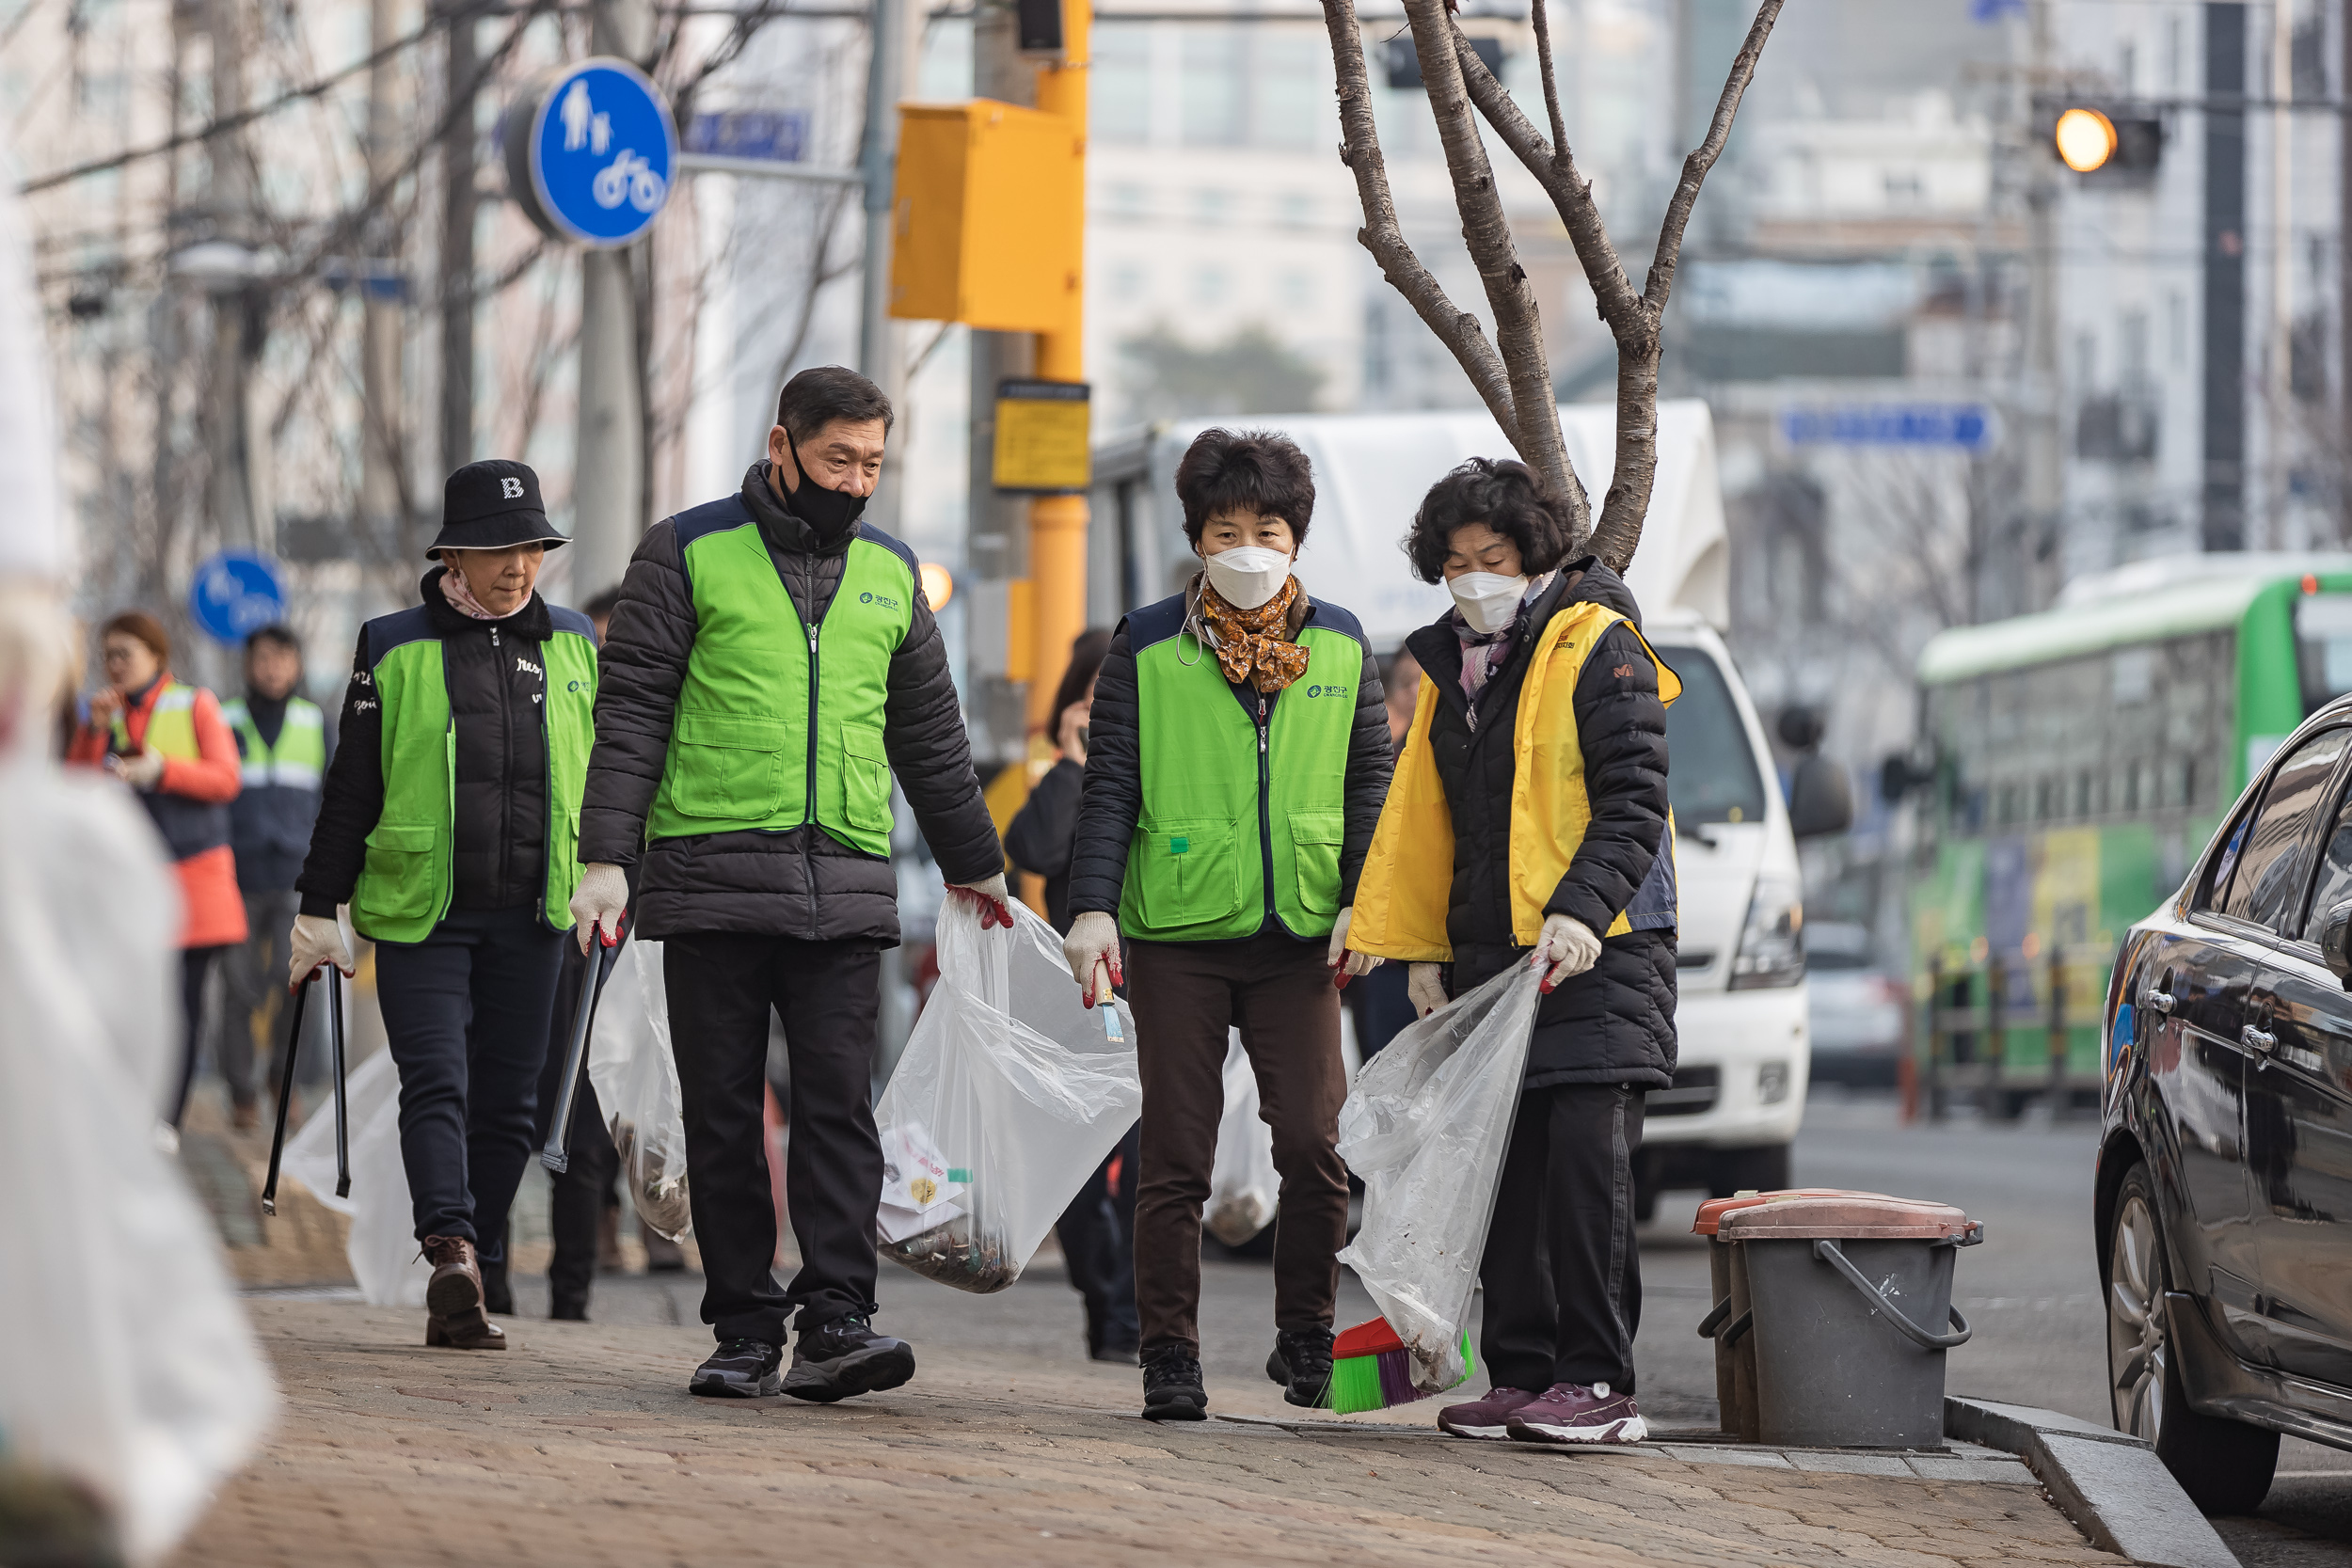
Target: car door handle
x,y
2157,1000
2258,1040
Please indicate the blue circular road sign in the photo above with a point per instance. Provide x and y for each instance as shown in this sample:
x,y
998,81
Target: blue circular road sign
x,y
235,595
600,151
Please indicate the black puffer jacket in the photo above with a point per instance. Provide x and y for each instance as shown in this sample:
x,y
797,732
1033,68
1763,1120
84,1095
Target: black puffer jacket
x,y
1045,830
801,882
498,686
1614,1023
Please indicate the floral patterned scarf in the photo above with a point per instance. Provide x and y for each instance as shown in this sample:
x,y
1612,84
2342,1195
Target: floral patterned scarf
x,y
1254,645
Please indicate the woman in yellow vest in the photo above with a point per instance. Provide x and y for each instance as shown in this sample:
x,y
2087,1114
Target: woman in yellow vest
x,y
168,742
1528,822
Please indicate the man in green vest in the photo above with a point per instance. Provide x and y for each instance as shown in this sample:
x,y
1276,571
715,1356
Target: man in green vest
x,y
772,664
447,835
1236,767
283,746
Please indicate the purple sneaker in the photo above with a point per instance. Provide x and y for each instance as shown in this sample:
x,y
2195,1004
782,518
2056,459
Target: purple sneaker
x,y
1573,1412
1488,1417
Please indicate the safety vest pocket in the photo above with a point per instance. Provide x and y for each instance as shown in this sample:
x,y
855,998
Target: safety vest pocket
x,y
864,778
1189,873
727,766
1315,840
399,880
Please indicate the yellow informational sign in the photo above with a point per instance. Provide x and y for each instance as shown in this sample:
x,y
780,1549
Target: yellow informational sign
x,y
1045,433
991,218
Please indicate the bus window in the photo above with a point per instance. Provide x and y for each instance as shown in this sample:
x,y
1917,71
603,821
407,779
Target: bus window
x,y
1714,777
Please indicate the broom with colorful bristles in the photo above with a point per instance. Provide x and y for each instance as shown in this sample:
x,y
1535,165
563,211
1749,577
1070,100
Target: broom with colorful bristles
x,y
1371,1368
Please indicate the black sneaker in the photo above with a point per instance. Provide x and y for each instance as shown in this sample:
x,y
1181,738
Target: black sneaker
x,y
497,1294
1172,1387
739,1370
1301,1363
845,1357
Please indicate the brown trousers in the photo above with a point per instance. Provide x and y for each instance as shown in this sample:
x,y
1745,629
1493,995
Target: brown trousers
x,y
1187,996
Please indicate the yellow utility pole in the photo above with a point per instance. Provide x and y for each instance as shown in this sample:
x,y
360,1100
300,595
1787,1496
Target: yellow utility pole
x,y
1058,524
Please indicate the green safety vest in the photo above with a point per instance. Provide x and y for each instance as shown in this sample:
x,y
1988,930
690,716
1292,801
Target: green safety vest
x,y
298,761
189,827
779,724
406,886
1227,803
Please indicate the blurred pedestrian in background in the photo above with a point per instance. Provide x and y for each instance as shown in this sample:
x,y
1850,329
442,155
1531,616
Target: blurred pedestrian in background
x,y
167,740
448,827
1378,1003
283,746
1098,1229
1528,822
1238,754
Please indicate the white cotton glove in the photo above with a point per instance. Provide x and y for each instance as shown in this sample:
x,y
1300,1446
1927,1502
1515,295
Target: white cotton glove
x,y
1424,987
600,900
144,772
995,899
1092,949
316,939
1348,964
1567,948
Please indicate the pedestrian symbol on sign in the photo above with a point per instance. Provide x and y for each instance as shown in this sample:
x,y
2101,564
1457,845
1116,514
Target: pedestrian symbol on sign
x,y
592,152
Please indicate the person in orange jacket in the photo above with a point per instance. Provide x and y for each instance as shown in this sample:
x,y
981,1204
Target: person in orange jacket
x,y
168,742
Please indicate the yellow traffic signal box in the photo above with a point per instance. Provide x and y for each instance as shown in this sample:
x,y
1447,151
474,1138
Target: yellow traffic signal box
x,y
990,220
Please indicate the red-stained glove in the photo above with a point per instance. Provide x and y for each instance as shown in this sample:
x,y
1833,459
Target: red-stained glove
x,y
995,899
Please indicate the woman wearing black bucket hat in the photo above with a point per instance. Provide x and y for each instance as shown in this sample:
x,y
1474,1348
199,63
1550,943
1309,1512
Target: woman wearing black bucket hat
x,y
448,829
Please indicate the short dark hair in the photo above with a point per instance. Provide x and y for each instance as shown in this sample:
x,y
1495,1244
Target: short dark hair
x,y
1258,469
278,633
603,605
1087,651
138,624
1506,497
823,393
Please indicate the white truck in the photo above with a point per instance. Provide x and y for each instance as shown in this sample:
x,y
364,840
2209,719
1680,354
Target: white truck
x,y
1740,1087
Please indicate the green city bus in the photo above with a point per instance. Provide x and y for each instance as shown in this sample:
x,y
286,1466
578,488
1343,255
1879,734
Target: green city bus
x,y
2081,759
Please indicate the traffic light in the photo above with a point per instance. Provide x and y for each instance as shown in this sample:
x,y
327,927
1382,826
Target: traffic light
x,y
2115,144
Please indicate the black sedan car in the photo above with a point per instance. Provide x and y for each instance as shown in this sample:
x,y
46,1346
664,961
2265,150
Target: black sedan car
x,y
2224,1196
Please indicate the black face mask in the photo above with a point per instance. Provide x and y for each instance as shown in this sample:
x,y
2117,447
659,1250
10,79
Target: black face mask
x,y
831,512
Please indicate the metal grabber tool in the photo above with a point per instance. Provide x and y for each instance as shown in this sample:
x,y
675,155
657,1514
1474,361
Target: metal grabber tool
x,y
286,1083
557,1155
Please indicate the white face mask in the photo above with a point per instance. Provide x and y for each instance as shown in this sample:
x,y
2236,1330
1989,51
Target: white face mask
x,y
1487,599
1247,576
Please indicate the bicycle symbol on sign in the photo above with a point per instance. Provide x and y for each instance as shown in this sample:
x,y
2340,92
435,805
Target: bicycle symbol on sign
x,y
628,178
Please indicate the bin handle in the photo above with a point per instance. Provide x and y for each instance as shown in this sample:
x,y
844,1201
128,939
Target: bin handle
x,y
1713,1321
1828,1252
1734,1330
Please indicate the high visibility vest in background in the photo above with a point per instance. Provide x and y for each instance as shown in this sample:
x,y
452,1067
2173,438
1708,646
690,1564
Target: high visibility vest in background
x,y
189,827
1237,821
298,761
779,724
406,883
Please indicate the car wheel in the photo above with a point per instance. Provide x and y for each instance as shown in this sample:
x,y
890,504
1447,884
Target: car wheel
x,y
2225,1466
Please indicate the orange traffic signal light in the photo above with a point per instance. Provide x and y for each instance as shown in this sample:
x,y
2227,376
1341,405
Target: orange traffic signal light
x,y
2086,139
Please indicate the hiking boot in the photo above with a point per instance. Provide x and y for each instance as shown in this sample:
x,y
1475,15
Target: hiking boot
x,y
1575,1413
1172,1387
1301,1363
452,1298
1487,1418
845,1357
739,1370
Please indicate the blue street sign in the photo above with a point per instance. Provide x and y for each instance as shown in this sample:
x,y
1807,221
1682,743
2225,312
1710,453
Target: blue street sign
x,y
602,152
1969,426
235,595
774,135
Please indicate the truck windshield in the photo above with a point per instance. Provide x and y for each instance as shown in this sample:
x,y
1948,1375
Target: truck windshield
x,y
1711,774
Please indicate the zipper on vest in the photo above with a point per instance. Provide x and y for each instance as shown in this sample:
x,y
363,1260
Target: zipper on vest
x,y
1265,809
809,801
506,757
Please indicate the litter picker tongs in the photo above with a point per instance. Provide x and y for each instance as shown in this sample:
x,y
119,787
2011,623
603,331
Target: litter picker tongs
x,y
286,1083
557,1156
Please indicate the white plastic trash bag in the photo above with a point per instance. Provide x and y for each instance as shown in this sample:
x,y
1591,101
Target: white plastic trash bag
x,y
635,1077
1009,1093
1425,1128
382,1247
1243,1184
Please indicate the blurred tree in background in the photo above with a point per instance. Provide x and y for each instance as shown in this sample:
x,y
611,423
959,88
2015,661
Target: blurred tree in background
x,y
1168,377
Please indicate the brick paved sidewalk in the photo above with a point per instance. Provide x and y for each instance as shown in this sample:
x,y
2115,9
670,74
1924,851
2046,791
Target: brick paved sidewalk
x,y
578,1447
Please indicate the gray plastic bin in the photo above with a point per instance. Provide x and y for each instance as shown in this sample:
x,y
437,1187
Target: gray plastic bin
x,y
1732,1319
1852,1300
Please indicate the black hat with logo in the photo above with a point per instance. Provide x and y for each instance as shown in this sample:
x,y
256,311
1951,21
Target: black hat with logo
x,y
493,505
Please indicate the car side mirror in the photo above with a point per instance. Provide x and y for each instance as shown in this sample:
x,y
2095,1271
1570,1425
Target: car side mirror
x,y
1820,799
2335,943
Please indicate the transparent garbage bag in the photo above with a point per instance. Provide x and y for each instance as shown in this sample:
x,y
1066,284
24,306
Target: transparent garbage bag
x,y
1426,1127
1010,1091
382,1247
635,1078
1243,1184
127,1366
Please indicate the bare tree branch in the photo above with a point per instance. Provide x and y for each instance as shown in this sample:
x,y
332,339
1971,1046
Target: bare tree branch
x,y
1360,150
1695,167
1541,18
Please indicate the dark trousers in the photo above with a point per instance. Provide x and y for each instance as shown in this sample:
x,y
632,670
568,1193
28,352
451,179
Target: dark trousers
x,y
1098,1243
720,986
196,963
466,1011
254,976
1187,996
1563,1281
584,1191
1380,1007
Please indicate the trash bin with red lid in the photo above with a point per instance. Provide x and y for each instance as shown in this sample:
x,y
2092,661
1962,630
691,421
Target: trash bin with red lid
x,y
1850,1296
1728,1323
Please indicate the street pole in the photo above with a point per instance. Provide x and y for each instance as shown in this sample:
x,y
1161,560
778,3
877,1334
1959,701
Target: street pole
x,y
2280,380
2044,477
1058,524
457,225
878,353
380,319
609,464
230,198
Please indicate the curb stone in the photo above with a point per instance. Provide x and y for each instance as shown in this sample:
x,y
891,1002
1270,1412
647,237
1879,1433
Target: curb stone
x,y
2109,1484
